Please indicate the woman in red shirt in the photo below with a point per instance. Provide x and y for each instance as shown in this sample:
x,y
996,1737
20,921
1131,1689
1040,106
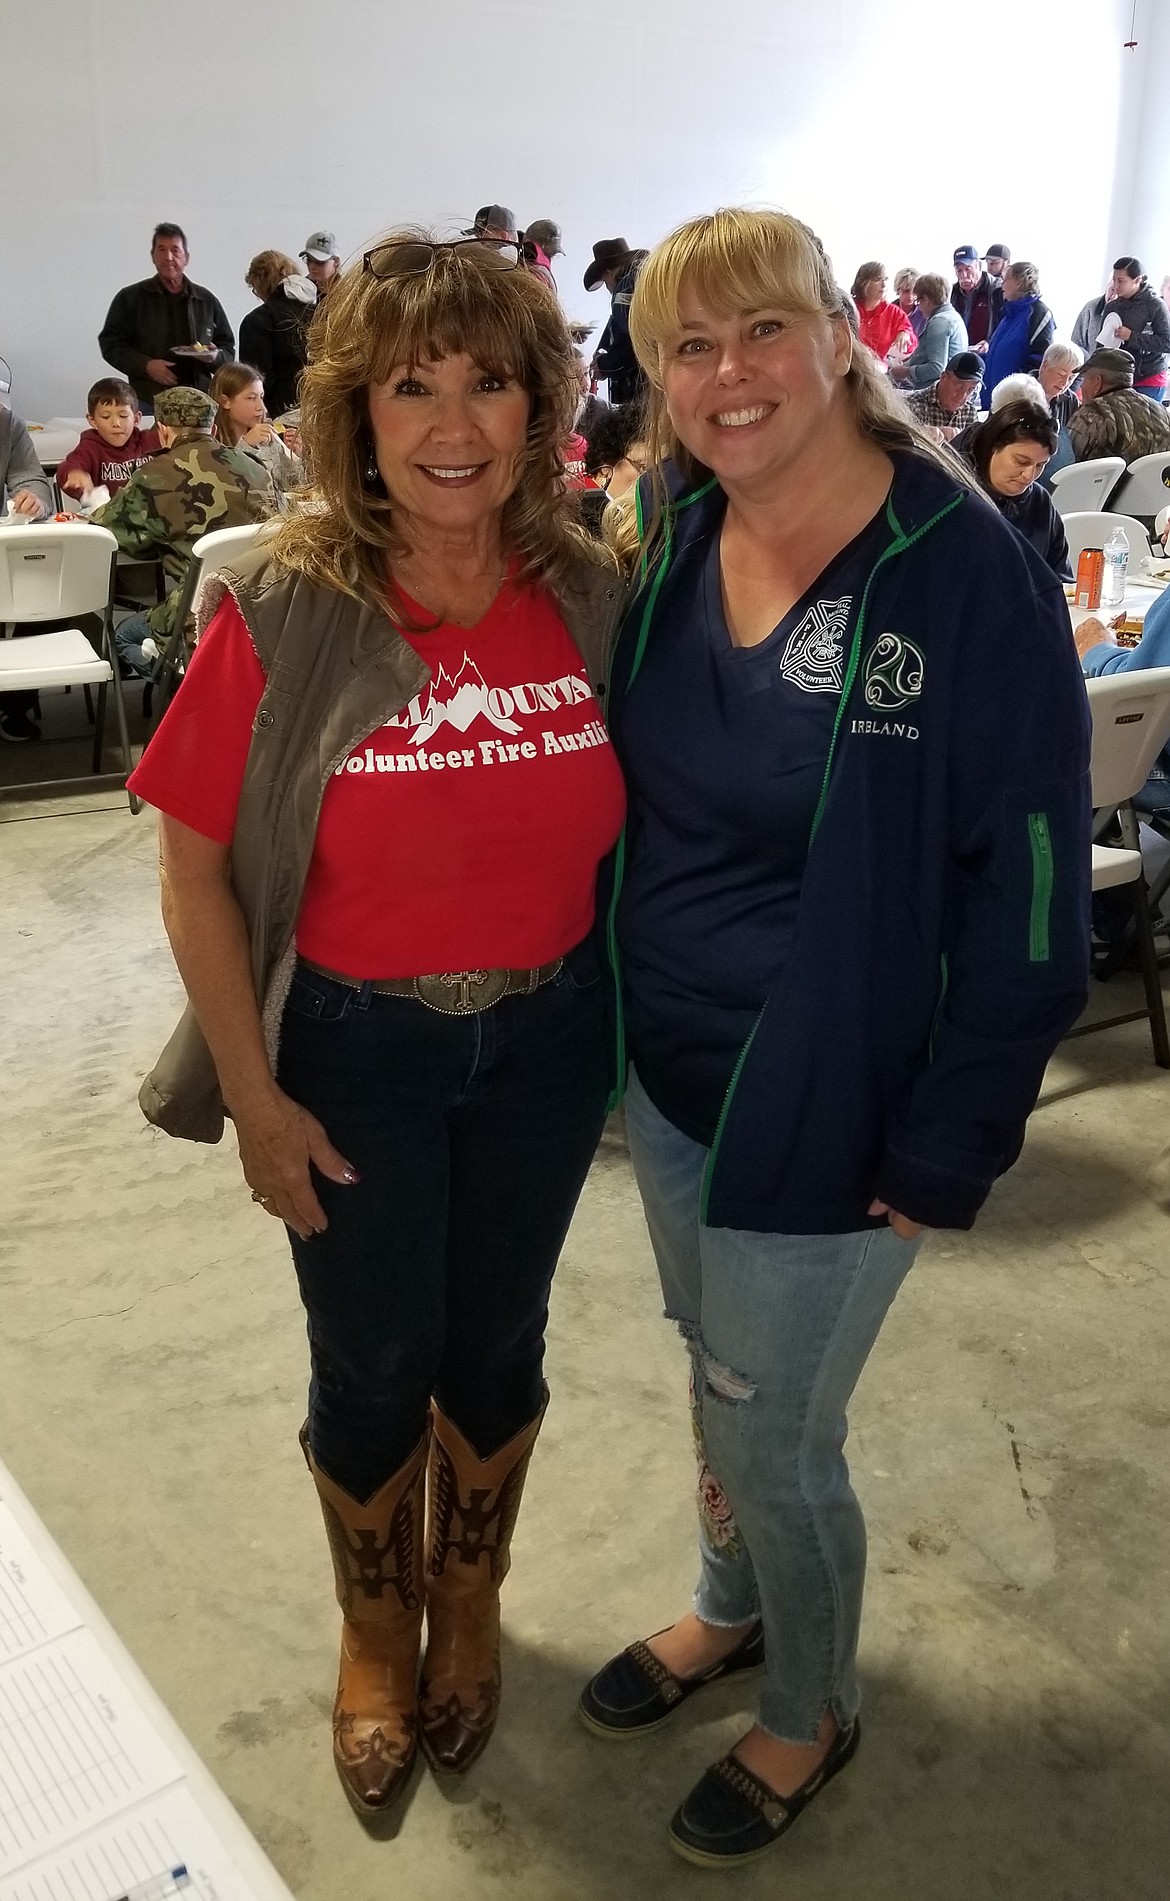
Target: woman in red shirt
x,y
386,789
885,328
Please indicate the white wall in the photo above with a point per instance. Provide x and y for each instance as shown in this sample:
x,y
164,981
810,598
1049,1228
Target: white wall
x,y
898,130
1146,232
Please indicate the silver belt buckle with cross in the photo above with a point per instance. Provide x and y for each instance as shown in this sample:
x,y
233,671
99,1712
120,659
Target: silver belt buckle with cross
x,y
461,992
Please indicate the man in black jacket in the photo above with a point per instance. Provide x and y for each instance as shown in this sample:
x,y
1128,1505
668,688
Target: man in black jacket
x,y
148,322
614,362
977,296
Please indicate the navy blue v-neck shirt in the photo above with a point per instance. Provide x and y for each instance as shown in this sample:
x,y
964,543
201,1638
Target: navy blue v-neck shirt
x,y
724,750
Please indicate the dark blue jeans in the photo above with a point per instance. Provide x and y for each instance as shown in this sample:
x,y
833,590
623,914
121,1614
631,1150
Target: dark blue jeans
x,y
472,1137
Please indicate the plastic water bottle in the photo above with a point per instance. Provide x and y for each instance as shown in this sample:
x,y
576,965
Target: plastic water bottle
x,y
1116,566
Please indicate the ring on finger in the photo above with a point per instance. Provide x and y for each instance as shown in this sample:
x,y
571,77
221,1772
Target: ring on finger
x,y
265,1201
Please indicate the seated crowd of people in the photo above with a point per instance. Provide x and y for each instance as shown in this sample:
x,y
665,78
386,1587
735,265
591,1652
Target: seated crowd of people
x,y
977,361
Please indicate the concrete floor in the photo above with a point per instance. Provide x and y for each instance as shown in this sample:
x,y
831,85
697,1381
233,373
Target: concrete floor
x,y
1009,1442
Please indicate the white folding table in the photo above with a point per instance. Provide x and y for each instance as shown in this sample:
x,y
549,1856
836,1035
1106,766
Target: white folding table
x,y
102,1798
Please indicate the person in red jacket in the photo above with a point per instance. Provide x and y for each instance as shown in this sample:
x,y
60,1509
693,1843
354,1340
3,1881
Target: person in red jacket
x,y
881,324
113,446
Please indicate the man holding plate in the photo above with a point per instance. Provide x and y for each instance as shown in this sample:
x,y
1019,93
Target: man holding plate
x,y
166,330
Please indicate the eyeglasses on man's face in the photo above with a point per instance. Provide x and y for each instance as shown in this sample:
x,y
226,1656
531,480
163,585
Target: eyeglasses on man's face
x,y
411,257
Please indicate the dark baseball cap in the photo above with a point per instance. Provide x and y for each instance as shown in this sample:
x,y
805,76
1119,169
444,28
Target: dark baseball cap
x,y
967,367
966,254
1110,362
496,218
998,250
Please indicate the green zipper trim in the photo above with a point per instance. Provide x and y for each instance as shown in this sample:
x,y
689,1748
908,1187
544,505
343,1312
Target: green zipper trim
x,y
619,863
664,561
901,542
619,867
1040,839
709,1169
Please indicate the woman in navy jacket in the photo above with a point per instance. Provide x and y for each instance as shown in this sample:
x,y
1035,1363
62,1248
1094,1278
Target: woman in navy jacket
x,y
849,922
1009,453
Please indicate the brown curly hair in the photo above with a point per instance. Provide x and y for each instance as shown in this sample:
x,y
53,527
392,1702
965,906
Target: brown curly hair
x,y
267,270
510,324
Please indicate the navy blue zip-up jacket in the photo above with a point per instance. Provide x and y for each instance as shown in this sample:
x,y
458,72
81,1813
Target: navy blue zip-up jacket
x,y
941,947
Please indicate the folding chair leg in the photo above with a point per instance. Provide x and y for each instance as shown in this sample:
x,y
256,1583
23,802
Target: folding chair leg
x,y
88,703
99,725
111,652
1150,975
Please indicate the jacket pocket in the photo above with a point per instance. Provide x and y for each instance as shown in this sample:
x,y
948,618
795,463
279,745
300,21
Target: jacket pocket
x,y
1040,842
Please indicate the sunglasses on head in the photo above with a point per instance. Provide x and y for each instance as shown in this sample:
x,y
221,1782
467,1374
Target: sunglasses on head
x,y
411,257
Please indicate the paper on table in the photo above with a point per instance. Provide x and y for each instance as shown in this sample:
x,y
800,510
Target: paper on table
x,y
33,1608
137,1854
75,1748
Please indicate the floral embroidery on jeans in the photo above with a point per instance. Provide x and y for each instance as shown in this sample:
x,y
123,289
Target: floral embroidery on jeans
x,y
715,1514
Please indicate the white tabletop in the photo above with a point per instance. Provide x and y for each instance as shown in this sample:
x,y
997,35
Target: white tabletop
x,y
1141,591
54,442
77,1718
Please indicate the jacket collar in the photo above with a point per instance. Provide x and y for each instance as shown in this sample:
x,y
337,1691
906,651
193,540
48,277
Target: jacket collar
x,y
696,502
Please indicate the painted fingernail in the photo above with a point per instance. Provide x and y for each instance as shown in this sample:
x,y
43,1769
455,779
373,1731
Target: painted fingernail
x,y
350,1175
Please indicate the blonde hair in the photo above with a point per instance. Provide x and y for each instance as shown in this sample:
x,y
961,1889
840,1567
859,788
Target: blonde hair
x,y
1027,276
230,381
734,260
268,269
509,323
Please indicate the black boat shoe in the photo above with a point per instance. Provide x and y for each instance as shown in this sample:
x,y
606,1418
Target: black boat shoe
x,y
635,1692
730,1816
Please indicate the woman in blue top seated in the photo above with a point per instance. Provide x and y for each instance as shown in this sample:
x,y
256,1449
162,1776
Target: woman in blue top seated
x,y
1025,329
849,916
944,334
1009,452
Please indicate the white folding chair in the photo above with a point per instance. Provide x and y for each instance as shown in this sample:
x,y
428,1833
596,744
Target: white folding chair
x,y
1092,530
1145,490
1131,724
209,555
53,571
1085,487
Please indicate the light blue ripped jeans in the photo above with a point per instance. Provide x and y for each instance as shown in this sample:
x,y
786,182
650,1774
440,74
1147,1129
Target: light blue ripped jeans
x,y
779,1327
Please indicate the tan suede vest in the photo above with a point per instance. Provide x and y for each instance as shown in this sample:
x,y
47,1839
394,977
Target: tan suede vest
x,y
337,670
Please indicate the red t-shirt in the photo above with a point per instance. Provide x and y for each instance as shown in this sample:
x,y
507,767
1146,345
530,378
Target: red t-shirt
x,y
881,325
464,834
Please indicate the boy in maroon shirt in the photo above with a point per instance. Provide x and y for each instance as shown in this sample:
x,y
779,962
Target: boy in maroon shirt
x,y
112,447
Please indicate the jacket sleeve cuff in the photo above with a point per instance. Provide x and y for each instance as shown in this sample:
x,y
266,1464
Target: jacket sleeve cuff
x,y
1095,659
922,1191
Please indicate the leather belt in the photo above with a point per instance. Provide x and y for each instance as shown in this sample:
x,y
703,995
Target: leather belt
x,y
455,993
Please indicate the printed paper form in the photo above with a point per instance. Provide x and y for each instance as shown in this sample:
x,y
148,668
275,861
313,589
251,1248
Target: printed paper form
x,y
33,1608
75,1748
92,1765
137,1856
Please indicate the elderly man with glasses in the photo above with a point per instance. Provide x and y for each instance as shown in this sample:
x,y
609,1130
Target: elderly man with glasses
x,y
952,404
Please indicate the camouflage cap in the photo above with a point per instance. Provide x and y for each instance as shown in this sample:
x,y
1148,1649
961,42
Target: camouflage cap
x,y
181,408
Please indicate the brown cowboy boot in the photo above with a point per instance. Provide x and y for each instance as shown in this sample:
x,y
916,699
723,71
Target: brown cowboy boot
x,y
474,1504
377,1563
